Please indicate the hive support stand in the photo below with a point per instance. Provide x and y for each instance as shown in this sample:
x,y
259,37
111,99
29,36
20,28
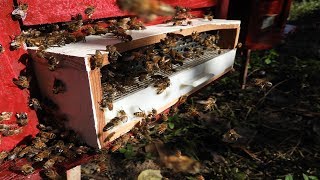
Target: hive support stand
x,y
245,65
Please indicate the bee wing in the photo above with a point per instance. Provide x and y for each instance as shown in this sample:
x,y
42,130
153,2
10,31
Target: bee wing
x,y
202,102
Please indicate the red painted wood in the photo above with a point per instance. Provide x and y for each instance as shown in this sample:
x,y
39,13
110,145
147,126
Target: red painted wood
x,y
12,99
52,11
251,13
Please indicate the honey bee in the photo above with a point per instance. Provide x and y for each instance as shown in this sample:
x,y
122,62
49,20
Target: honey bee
x,y
35,104
52,174
1,49
88,30
24,151
4,127
3,156
22,119
16,43
148,9
58,86
161,128
53,62
20,12
113,122
41,51
109,136
27,169
162,84
76,23
195,36
14,153
135,24
231,136
82,150
22,82
174,110
122,35
12,132
89,11
142,76
42,155
209,104
106,102
5,116
164,117
99,29
113,54
140,113
96,60
49,163
39,144
200,177
182,99
208,16
47,135
262,83
193,111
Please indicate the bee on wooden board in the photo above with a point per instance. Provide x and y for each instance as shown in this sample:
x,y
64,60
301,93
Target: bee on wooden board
x,y
35,104
42,155
20,12
3,156
5,116
22,82
106,102
52,174
164,117
89,11
208,17
53,62
75,24
27,169
115,122
109,136
193,111
140,113
113,54
135,24
40,52
96,61
22,119
58,86
25,151
122,35
14,153
47,135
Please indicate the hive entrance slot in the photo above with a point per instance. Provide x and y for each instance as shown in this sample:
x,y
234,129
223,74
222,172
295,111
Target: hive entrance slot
x,y
123,77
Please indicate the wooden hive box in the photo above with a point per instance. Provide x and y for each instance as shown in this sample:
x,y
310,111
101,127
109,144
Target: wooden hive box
x,y
81,100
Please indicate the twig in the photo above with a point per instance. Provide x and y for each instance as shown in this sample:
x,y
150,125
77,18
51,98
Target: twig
x,y
296,146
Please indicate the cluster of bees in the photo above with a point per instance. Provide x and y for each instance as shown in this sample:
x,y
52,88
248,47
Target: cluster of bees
x,y
149,124
52,146
149,64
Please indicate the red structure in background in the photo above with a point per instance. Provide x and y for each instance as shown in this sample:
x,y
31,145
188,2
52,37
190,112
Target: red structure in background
x,y
263,25
13,99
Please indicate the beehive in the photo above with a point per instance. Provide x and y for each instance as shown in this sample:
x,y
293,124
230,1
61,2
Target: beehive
x,y
80,102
